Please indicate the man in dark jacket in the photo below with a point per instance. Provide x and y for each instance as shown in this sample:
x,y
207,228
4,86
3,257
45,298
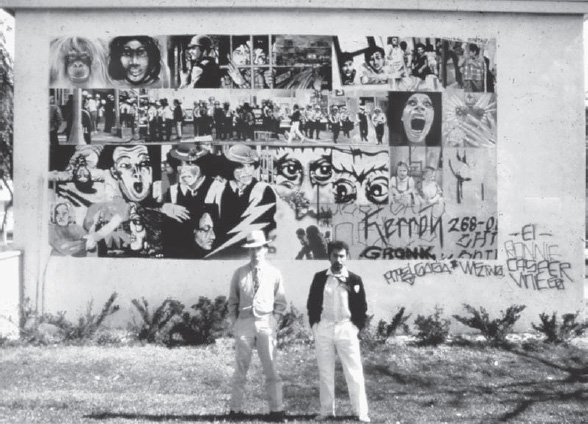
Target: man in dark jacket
x,y
337,312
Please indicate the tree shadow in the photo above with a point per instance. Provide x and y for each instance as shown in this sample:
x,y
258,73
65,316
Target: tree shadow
x,y
103,416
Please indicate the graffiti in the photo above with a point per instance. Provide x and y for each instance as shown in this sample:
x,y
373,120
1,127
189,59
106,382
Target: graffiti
x,y
416,226
534,264
409,273
375,252
480,269
476,238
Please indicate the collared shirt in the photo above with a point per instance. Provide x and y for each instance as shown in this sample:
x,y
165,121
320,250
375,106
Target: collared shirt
x,y
336,297
269,299
185,189
236,188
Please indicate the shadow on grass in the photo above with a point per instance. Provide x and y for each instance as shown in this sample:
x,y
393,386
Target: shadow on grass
x,y
200,418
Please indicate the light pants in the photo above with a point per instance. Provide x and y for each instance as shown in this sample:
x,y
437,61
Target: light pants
x,y
295,131
259,333
342,338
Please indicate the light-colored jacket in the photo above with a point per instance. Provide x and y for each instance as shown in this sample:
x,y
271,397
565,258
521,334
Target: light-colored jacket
x,y
269,299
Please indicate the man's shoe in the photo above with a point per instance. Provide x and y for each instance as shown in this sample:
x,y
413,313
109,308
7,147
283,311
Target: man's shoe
x,y
364,419
323,417
277,416
235,415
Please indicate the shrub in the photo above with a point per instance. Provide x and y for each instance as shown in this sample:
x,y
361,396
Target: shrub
x,y
557,332
386,330
154,328
88,324
35,328
431,330
496,330
206,324
292,329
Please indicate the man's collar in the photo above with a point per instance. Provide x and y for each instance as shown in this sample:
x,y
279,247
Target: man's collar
x,y
343,273
184,188
236,188
259,265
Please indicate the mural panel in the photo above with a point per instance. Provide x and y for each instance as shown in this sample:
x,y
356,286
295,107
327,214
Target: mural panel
x,y
178,146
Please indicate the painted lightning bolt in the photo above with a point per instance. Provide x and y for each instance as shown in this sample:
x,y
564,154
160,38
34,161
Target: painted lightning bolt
x,y
246,225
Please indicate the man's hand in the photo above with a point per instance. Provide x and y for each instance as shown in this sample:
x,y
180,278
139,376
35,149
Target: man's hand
x,y
177,212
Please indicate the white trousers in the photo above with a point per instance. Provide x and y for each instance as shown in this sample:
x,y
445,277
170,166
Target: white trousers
x,y
295,131
260,334
341,338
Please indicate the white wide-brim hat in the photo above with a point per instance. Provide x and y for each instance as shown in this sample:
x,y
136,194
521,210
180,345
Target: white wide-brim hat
x,y
255,239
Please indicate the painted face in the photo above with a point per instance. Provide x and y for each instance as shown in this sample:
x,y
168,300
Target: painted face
x,y
189,174
348,68
361,177
242,55
204,235
83,174
62,215
259,57
303,177
132,168
376,61
195,52
257,254
402,172
244,174
338,259
135,61
417,117
138,232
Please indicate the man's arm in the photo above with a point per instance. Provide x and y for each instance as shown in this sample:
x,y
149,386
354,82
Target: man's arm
x,y
233,302
361,303
280,303
311,303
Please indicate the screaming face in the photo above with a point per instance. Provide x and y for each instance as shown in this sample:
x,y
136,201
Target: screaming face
x,y
417,117
132,168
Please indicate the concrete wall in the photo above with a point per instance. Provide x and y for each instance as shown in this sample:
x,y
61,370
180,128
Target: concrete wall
x,y
540,166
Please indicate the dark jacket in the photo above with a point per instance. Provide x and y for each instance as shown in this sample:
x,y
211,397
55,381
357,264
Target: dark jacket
x,y
357,302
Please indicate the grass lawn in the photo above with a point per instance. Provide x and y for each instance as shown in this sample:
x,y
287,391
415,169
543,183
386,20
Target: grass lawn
x,y
406,384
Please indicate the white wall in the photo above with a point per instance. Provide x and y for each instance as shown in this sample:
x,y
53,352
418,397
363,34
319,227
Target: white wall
x,y
541,159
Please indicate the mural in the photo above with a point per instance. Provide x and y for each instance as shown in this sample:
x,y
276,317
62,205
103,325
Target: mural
x,y
178,146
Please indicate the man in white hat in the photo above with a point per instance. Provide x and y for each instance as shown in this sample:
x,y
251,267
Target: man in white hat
x,y
256,303
204,71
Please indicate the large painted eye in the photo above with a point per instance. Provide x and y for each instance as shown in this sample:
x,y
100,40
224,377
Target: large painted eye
x,y
345,191
321,171
290,169
376,190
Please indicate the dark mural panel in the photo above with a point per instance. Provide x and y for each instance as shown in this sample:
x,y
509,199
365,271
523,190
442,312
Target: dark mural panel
x,y
178,146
